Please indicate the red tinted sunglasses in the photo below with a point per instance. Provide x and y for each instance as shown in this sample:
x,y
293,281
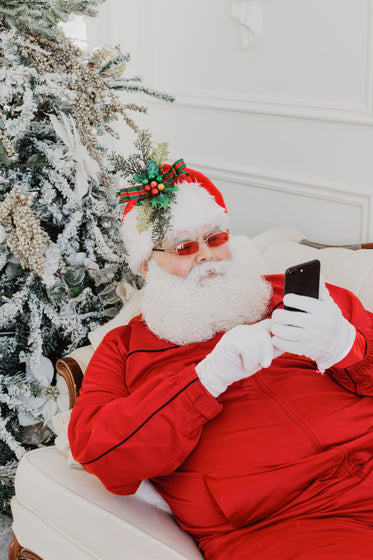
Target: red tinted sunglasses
x,y
190,247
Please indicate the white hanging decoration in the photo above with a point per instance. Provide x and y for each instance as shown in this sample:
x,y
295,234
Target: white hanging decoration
x,y
250,15
53,398
51,264
86,167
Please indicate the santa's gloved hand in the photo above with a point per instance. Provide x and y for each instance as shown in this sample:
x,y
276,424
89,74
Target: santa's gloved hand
x,y
242,351
322,333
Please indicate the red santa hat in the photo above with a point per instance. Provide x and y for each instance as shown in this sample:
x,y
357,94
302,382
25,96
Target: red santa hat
x,y
196,203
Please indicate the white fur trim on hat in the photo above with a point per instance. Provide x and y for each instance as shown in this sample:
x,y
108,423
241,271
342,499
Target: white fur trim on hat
x,y
193,208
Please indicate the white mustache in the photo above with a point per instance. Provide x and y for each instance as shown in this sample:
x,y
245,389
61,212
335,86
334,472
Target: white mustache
x,y
204,269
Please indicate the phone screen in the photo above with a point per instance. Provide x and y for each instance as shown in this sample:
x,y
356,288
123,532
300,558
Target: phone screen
x,y
303,279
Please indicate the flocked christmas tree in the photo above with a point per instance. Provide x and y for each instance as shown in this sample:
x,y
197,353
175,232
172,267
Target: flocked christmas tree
x,y
60,254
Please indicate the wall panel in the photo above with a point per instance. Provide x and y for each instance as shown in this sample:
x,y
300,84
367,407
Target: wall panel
x,y
284,127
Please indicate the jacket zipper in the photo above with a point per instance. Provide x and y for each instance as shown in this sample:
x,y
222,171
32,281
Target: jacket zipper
x,y
289,413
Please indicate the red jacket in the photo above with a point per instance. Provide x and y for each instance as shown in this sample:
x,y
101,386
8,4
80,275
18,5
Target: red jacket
x,y
286,445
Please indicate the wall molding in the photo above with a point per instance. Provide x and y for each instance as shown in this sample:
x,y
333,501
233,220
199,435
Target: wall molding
x,y
343,112
360,198
350,113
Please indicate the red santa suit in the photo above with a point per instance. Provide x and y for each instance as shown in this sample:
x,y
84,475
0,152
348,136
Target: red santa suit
x,y
278,466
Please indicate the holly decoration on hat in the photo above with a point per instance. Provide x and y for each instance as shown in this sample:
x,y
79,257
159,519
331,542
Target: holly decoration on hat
x,y
152,185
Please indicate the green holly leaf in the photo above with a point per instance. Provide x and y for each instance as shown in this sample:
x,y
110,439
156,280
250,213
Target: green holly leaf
x,y
139,177
161,200
152,168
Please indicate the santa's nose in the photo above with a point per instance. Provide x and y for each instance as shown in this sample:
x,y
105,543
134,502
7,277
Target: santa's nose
x,y
204,252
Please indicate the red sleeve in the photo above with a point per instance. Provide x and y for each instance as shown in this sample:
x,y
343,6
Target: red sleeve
x,y
124,438
355,371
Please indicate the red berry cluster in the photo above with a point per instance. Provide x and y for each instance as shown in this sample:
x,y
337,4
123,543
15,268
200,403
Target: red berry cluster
x,y
154,184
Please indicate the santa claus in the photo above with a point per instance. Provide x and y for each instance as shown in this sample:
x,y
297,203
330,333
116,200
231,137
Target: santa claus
x,y
254,422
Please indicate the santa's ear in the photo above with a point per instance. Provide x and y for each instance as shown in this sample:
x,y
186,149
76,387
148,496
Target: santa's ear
x,y
144,267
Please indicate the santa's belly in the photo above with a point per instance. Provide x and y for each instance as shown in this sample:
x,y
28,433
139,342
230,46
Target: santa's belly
x,y
285,446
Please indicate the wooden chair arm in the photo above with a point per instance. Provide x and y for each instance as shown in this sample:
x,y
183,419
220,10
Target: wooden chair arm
x,y
70,370
354,247
18,552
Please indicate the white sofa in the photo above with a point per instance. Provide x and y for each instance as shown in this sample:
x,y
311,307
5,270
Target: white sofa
x,y
61,512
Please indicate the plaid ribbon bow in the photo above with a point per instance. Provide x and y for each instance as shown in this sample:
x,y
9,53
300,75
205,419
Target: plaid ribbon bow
x,y
139,192
175,171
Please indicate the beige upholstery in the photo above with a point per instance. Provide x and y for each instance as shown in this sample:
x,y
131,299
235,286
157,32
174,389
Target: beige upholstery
x,y
351,269
63,512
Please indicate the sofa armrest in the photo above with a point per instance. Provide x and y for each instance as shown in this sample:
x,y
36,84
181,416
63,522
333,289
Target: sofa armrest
x,y
72,368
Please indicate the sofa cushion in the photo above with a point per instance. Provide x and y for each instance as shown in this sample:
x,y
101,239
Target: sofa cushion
x,y
87,514
350,269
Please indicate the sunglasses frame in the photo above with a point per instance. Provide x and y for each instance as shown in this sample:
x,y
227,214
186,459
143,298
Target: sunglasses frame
x,y
205,240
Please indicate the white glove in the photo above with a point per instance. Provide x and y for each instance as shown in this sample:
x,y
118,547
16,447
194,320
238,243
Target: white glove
x,y
241,352
322,333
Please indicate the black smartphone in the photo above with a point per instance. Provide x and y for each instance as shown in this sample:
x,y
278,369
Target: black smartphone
x,y
303,279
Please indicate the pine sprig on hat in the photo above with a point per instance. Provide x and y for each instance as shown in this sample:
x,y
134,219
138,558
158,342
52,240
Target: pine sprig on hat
x,y
135,163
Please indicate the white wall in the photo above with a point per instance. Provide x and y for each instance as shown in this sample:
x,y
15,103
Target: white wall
x,y
284,127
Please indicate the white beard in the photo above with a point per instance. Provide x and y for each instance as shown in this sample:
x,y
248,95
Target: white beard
x,y
193,309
